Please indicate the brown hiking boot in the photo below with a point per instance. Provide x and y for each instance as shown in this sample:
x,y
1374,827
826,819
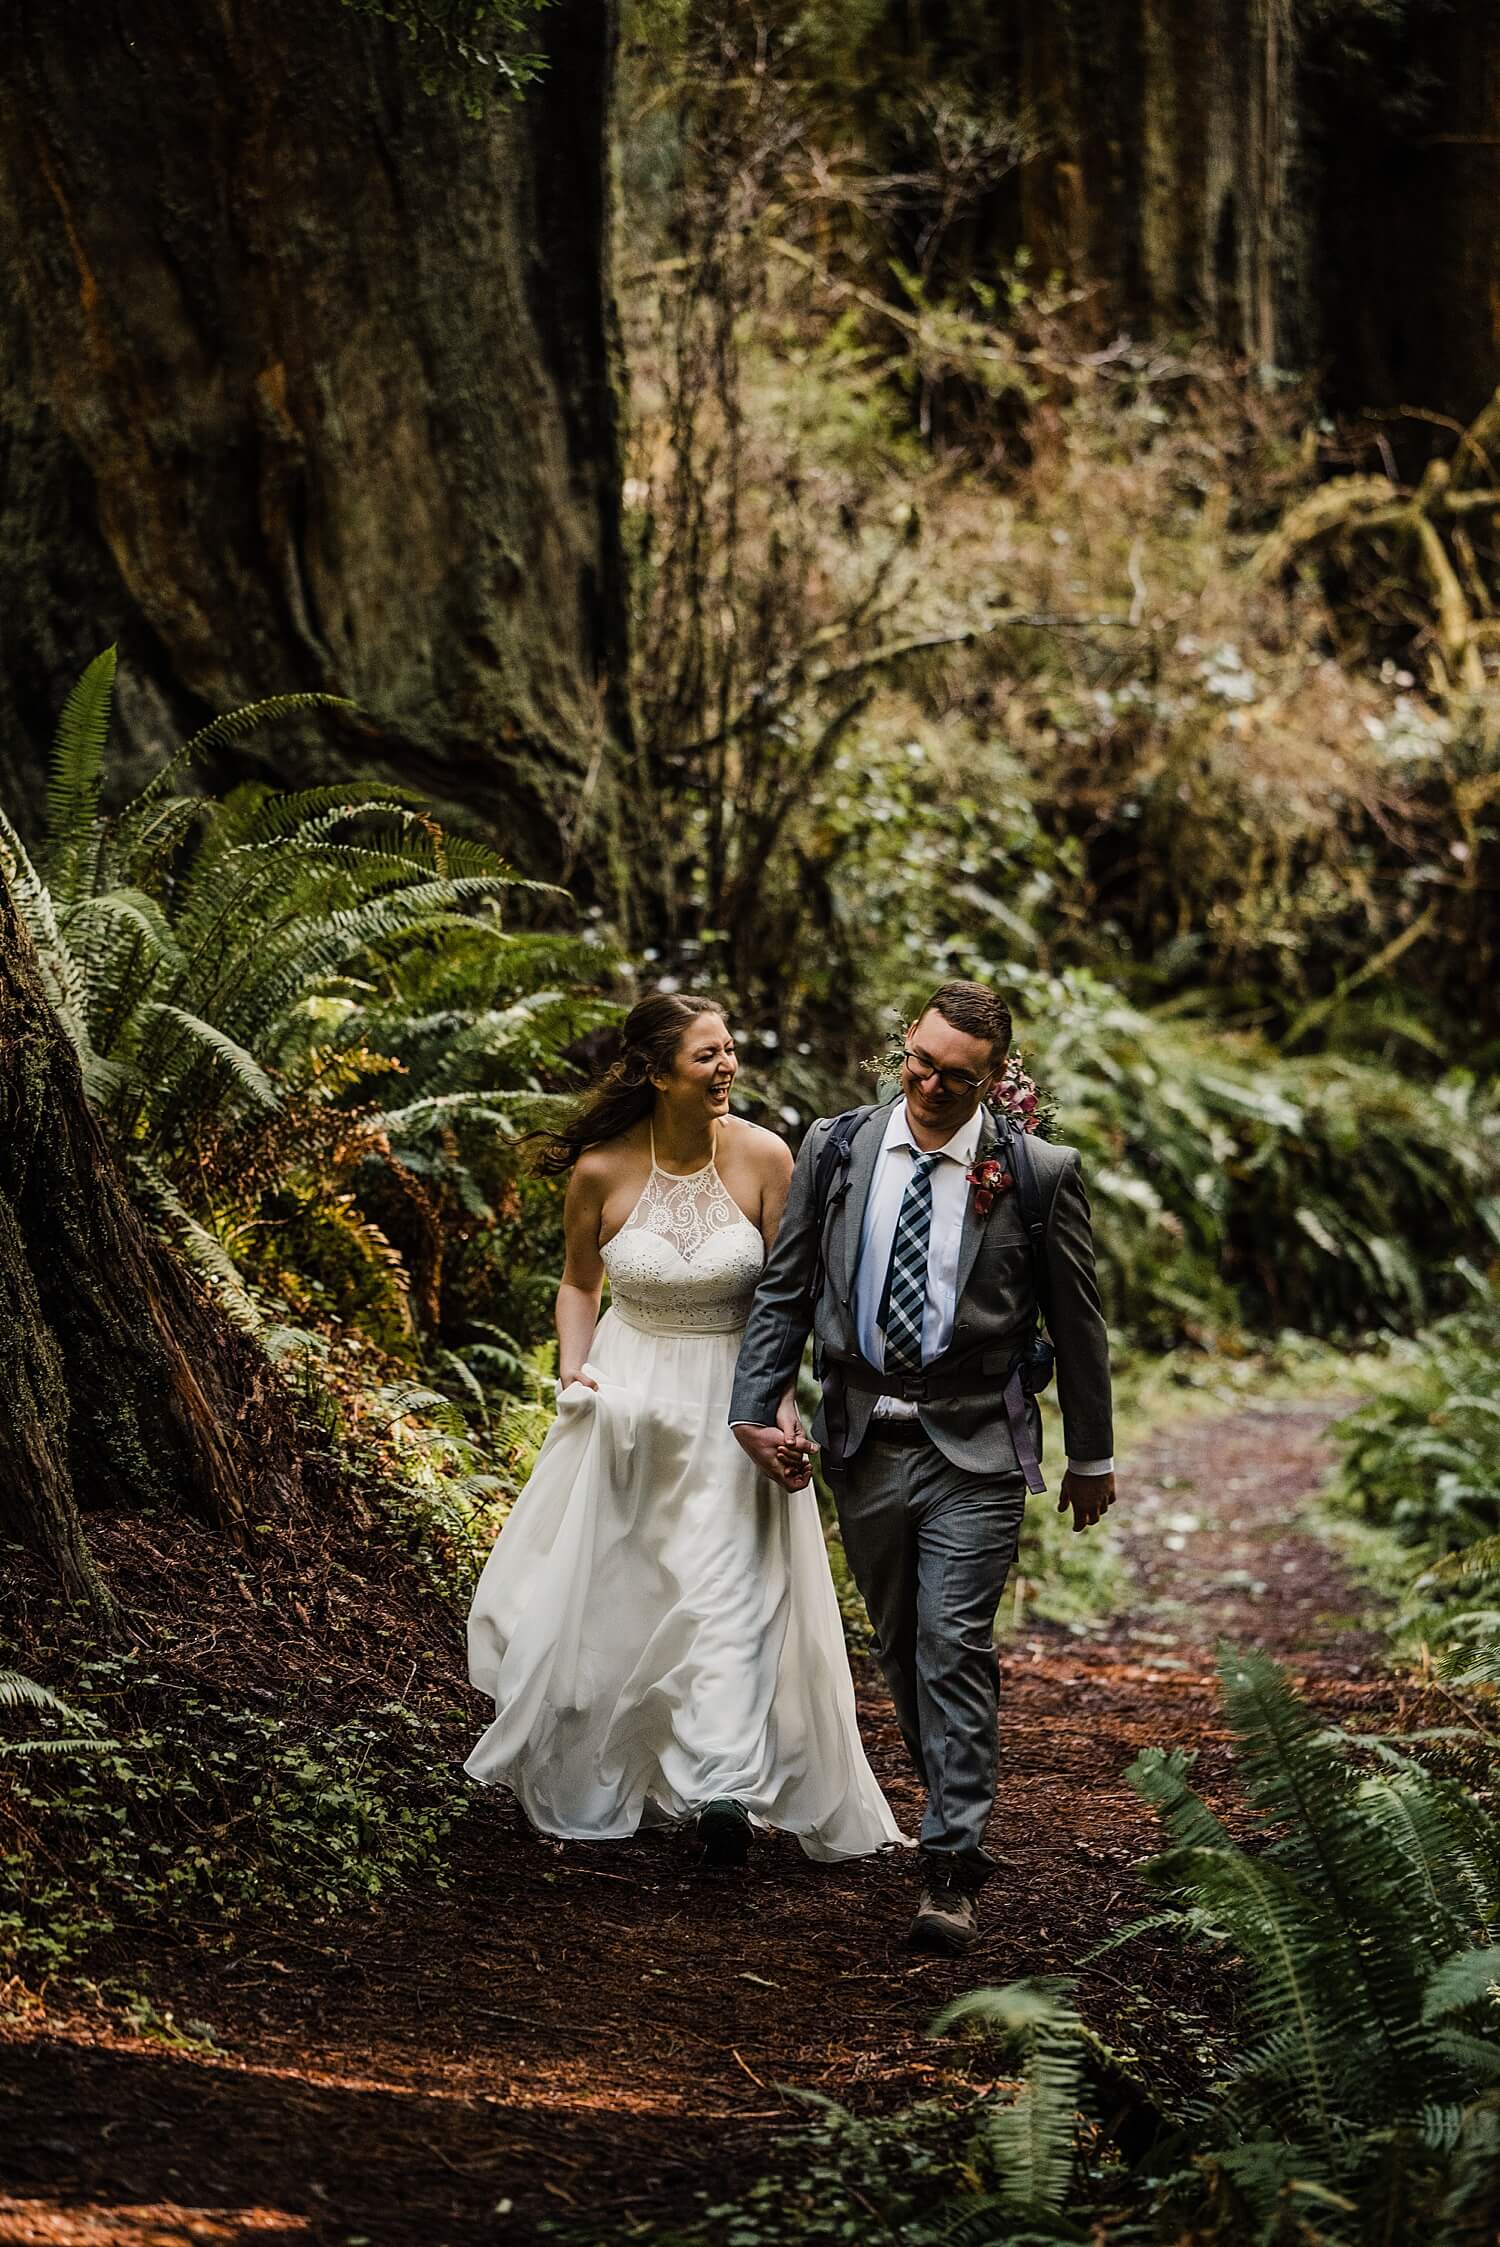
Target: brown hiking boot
x,y
947,1919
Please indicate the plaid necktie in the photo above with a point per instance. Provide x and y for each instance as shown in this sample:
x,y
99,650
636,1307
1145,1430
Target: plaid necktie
x,y
906,1282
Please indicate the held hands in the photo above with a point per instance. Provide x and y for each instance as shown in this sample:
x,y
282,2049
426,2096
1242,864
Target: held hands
x,y
783,1452
1090,1497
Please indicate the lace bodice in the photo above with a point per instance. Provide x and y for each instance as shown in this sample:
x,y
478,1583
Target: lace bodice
x,y
686,1259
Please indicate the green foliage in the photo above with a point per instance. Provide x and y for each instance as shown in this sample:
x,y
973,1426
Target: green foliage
x,y
197,1811
478,49
18,1692
1424,1455
243,980
1454,1613
992,2169
1362,1901
1031,2138
854,2179
1323,1194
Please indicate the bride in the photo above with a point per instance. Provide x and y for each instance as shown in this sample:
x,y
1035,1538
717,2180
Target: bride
x,y
656,1622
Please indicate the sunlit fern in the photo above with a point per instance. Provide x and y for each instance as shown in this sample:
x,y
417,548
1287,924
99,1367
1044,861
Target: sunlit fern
x,y
242,979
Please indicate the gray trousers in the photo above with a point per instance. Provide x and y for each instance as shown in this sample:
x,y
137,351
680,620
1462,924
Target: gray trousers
x,y
930,1546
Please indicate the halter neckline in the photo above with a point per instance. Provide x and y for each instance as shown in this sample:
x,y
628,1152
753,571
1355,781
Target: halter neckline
x,y
682,1175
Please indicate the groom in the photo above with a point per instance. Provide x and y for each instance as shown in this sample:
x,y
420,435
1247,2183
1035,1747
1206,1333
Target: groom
x,y
920,1285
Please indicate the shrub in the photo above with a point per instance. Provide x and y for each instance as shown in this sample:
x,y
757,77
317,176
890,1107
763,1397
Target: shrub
x,y
1425,1456
307,1026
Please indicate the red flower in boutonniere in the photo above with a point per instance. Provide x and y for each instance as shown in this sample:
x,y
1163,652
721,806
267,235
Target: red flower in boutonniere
x,y
987,1180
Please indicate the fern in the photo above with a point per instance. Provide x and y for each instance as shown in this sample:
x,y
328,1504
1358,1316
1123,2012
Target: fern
x,y
1204,1145
1032,2137
239,976
75,775
234,726
243,1069
1362,1903
1425,1455
18,1692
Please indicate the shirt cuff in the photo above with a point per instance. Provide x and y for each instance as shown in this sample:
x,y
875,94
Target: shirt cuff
x,y
1091,1466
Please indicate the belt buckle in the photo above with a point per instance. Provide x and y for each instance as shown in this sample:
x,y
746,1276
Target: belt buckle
x,y
913,1388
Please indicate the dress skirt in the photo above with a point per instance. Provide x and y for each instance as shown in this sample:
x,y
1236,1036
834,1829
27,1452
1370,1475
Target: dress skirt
x,y
657,1623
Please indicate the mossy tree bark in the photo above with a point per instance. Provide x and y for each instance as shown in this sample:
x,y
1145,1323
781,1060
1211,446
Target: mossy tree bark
x,y
121,1384
309,383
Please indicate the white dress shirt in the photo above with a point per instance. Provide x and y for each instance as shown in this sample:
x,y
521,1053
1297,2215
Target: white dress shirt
x,y
893,1168
888,1183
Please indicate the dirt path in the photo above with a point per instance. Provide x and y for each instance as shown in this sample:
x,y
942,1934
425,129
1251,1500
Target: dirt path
x,y
599,2034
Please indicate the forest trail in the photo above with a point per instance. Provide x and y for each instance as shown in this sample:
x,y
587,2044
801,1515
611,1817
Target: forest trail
x,y
597,2036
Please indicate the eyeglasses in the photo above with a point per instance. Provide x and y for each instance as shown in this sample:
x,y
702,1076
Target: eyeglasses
x,y
952,1081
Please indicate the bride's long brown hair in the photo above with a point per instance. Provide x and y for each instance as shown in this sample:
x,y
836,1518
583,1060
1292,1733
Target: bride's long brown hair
x,y
649,1038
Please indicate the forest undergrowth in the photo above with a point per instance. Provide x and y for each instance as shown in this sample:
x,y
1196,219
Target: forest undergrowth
x,y
972,639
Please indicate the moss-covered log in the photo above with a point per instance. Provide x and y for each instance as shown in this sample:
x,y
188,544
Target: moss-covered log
x,y
121,1383
308,383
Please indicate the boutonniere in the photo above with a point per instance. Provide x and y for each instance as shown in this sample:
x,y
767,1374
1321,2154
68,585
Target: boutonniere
x,y
986,1181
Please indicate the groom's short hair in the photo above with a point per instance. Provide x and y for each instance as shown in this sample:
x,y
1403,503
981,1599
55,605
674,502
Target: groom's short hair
x,y
976,1010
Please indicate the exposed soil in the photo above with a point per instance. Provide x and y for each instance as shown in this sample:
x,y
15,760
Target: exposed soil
x,y
599,2035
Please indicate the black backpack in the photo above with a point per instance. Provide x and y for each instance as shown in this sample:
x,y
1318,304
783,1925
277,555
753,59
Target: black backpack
x,y
834,1158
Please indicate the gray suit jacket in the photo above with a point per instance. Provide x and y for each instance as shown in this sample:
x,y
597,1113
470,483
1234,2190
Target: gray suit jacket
x,y
995,1312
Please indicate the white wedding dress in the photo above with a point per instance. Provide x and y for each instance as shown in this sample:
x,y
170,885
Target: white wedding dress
x,y
656,1622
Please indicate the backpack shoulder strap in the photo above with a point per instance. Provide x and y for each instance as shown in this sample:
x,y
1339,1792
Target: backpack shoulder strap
x,y
1028,1188
834,1156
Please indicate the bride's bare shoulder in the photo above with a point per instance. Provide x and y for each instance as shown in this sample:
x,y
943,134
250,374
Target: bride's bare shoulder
x,y
760,1150
603,1165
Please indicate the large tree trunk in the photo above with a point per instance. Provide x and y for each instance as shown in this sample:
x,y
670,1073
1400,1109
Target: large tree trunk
x,y
1407,176
1167,164
309,383
1318,189
121,1384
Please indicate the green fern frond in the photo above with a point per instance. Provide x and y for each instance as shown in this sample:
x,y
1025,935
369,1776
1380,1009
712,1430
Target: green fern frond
x,y
75,775
207,1255
237,725
20,1692
131,909
1032,2138
1479,1666
989,2220
1479,1559
243,1067
414,1400
1469,1979
438,1110
62,975
1159,1777
1297,1970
